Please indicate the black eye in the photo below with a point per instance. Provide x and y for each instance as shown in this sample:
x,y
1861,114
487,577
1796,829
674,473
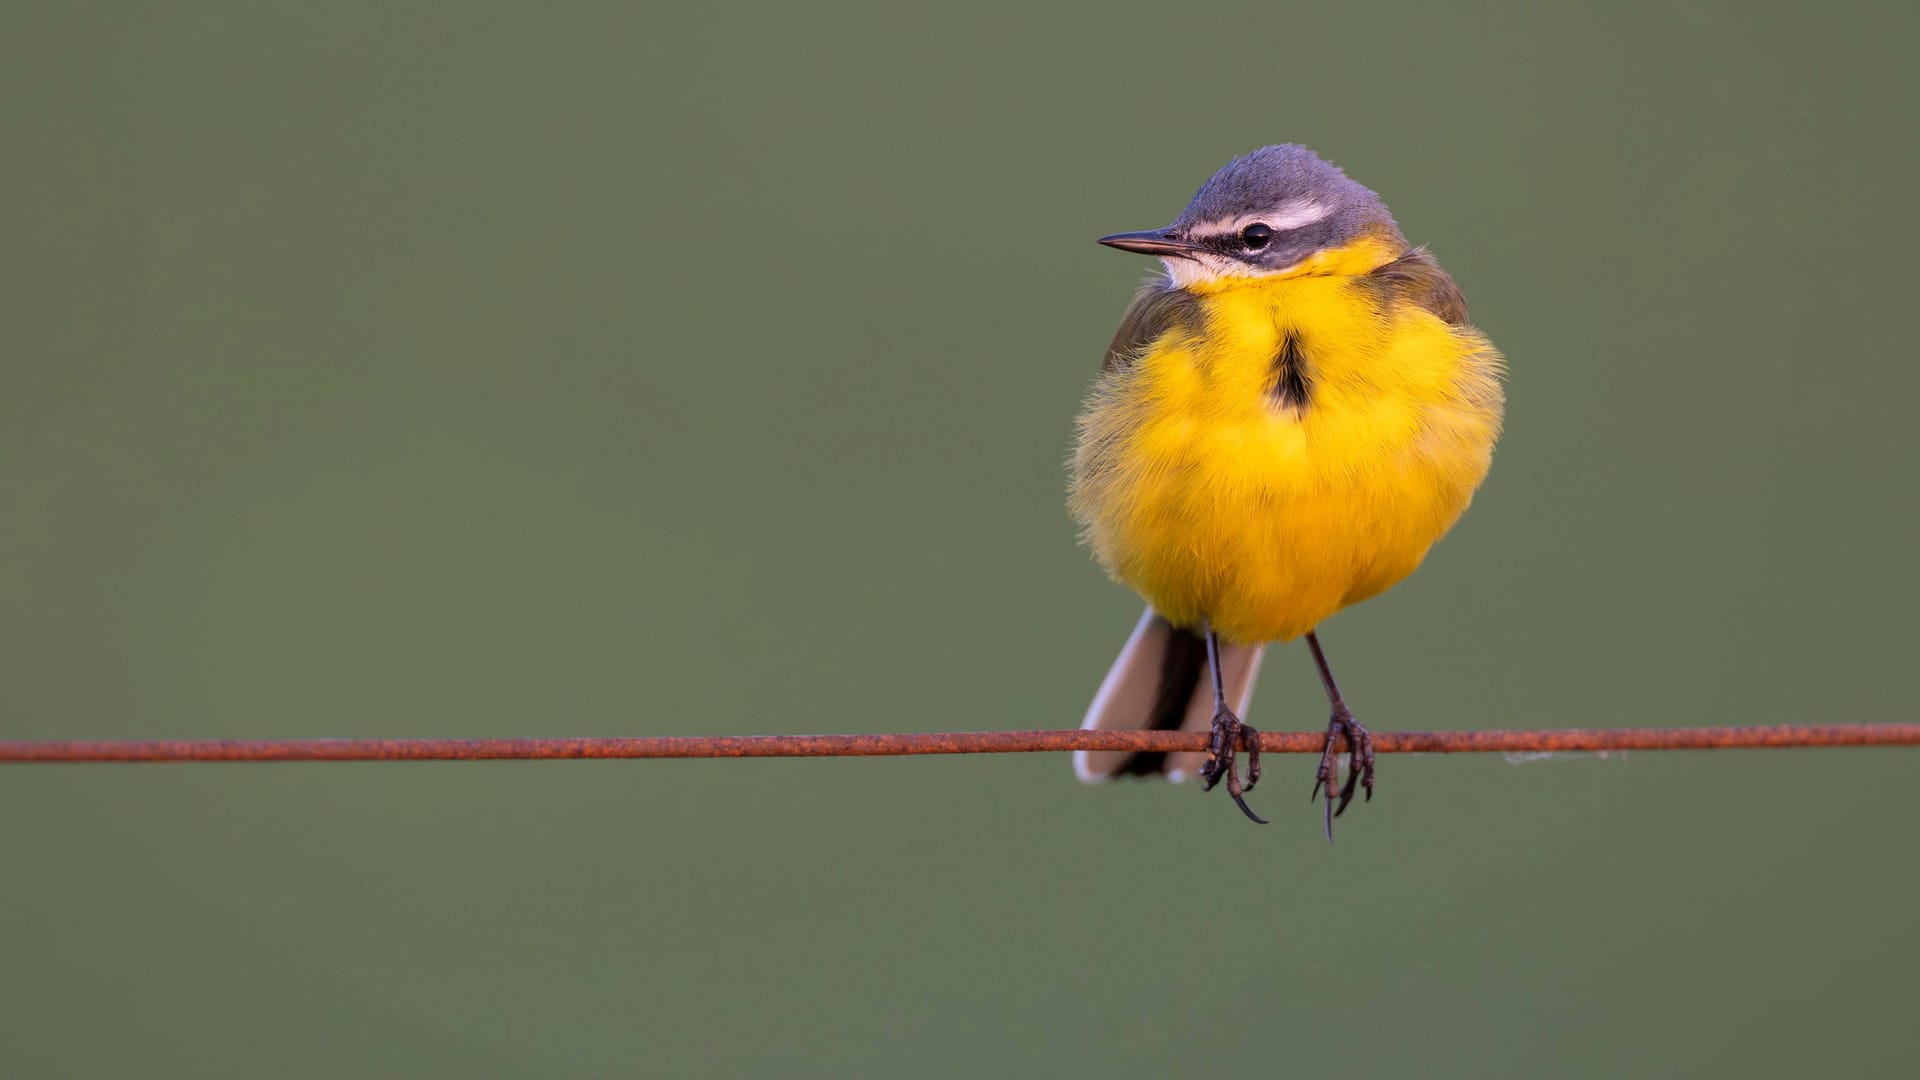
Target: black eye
x,y
1256,235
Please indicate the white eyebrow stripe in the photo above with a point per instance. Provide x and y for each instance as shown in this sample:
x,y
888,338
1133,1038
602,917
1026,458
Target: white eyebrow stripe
x,y
1293,214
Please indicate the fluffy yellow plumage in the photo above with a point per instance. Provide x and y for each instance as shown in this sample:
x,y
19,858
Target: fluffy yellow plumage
x,y
1216,502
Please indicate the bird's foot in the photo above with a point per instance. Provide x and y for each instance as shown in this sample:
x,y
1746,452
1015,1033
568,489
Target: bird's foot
x,y
1228,732
1343,728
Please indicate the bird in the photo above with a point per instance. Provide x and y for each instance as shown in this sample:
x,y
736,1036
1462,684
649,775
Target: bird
x,y
1286,420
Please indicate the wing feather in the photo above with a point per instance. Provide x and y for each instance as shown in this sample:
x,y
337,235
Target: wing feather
x,y
1157,307
1417,278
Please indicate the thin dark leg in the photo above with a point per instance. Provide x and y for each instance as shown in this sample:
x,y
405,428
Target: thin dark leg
x,y
1342,727
1228,731
1248,736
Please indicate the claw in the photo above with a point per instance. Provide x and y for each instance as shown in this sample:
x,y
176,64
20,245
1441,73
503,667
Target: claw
x,y
1327,773
1353,782
1245,809
1344,728
1212,771
1252,739
1227,733
1212,774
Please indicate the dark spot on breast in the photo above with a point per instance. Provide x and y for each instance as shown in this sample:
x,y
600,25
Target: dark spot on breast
x,y
1290,387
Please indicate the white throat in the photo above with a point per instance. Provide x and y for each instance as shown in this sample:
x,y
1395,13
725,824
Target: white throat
x,y
1205,268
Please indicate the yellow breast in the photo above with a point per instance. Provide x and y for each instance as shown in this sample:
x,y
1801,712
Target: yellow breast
x,y
1217,498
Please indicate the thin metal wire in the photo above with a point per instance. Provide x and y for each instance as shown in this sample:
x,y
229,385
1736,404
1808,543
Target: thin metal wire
x,y
948,742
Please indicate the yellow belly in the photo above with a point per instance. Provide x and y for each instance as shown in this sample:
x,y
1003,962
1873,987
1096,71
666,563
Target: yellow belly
x,y
1196,486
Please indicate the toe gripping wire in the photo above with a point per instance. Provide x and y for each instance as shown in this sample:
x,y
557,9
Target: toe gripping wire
x,y
1228,734
1342,730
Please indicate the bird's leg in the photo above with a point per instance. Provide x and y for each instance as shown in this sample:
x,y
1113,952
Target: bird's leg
x,y
1342,728
1228,731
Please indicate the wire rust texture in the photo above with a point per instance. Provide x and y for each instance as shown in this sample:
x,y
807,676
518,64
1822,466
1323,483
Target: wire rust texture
x,y
949,742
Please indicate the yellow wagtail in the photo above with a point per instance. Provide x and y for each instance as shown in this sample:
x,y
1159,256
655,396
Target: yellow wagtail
x,y
1283,426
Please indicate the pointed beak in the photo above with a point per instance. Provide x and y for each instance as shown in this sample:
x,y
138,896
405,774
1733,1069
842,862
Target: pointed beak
x,y
1161,242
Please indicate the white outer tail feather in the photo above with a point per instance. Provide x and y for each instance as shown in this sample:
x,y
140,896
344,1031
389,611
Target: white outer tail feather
x,y
1127,696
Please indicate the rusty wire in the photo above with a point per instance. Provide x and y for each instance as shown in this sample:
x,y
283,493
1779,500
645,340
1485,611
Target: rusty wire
x,y
949,742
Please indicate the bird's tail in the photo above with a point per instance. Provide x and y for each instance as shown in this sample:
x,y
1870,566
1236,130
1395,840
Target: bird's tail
x,y
1160,682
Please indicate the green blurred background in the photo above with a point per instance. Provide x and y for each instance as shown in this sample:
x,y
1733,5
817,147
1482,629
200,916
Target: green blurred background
x,y
463,370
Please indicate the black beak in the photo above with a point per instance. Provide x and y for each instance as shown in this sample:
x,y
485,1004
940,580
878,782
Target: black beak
x,y
1161,242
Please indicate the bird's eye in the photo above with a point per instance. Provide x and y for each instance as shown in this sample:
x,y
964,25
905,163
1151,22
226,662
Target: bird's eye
x,y
1256,235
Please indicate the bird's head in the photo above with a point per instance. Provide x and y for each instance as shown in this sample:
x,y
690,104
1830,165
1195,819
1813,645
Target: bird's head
x,y
1280,211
